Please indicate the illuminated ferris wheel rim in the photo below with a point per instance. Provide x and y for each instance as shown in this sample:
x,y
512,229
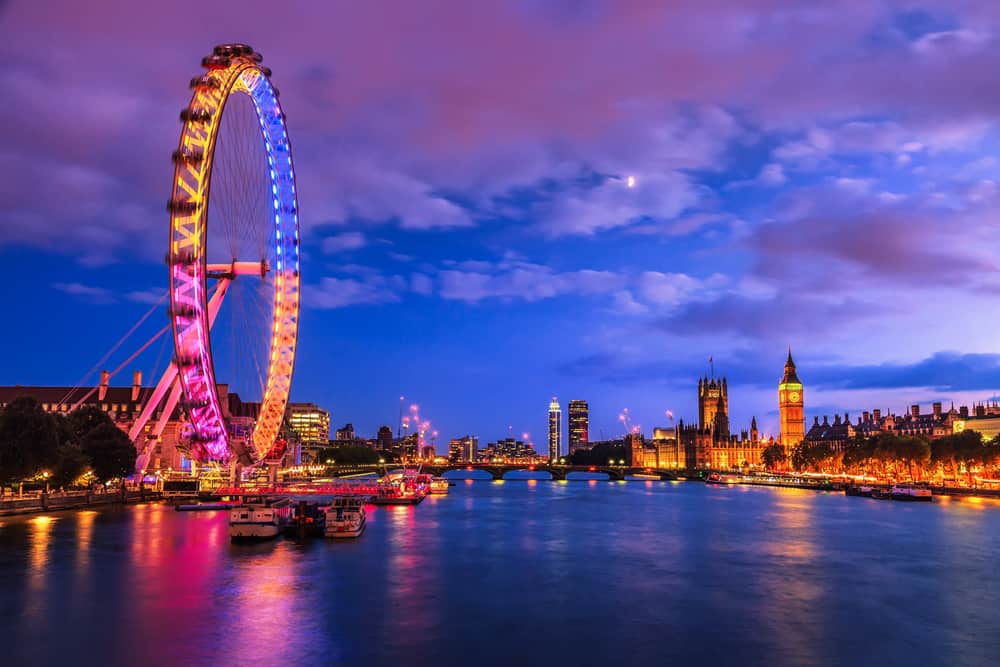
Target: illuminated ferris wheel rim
x,y
232,69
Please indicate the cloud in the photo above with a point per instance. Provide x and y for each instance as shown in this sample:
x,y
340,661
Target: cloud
x,y
669,289
942,371
778,316
772,175
344,241
342,292
99,295
511,280
421,284
613,203
151,296
832,239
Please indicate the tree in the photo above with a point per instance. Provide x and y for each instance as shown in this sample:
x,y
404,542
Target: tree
x,y
110,451
83,420
773,456
347,454
70,461
29,440
598,455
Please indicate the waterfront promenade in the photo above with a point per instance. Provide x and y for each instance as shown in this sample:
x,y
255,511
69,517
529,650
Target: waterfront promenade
x,y
56,501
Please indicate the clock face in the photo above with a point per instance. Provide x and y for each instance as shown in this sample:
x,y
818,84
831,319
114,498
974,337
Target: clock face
x,y
794,397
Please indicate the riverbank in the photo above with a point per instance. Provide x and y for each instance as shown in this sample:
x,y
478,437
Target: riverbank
x,y
838,487
51,502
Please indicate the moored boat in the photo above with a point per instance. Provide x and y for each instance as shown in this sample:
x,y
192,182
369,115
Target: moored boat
x,y
259,519
717,478
861,490
401,489
308,520
345,517
912,492
439,486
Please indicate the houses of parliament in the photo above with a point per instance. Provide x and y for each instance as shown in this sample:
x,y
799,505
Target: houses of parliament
x,y
711,442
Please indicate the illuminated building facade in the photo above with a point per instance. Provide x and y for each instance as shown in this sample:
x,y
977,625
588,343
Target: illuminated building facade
x,y
311,422
579,425
713,406
790,406
463,450
555,429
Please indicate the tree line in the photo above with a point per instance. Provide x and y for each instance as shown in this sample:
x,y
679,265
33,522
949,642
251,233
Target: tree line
x,y
893,456
34,442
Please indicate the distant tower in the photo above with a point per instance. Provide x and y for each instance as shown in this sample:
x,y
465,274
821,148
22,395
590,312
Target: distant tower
x,y
790,405
579,425
555,429
713,407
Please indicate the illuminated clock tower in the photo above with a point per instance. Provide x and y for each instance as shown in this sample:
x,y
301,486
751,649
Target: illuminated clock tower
x,y
793,419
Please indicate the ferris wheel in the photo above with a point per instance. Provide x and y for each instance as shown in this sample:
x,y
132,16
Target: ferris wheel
x,y
233,231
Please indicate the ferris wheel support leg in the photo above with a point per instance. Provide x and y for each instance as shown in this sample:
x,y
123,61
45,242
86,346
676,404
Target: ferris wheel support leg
x,y
135,434
168,380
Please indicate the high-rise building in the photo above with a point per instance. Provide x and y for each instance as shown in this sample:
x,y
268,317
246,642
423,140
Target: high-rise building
x,y
579,425
790,406
311,422
455,450
463,450
384,439
555,429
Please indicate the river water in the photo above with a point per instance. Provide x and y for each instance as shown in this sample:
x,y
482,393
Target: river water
x,y
518,573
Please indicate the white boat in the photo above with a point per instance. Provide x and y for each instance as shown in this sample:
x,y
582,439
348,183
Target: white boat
x,y
345,517
259,519
912,492
439,486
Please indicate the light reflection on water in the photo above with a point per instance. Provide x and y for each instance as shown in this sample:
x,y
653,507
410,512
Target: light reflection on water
x,y
584,572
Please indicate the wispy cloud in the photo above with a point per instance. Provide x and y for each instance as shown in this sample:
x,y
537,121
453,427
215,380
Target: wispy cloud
x,y
343,242
99,295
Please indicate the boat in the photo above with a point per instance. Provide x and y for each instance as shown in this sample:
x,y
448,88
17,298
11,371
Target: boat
x,y
912,492
716,478
904,492
439,486
400,488
308,520
259,519
345,517
862,490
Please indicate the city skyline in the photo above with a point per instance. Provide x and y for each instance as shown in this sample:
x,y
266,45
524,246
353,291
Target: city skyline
x,y
480,254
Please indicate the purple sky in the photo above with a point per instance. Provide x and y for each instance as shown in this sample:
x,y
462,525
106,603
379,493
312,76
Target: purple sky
x,y
815,174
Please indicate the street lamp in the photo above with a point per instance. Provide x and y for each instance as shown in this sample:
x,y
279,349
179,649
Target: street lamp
x,y
46,476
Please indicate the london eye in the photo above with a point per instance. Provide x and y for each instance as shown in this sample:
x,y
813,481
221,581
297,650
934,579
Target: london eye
x,y
234,238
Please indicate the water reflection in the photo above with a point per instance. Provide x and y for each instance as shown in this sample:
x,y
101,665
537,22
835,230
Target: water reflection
x,y
500,574
40,539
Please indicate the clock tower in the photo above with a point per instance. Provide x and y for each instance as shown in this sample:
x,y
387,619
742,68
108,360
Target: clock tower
x,y
790,406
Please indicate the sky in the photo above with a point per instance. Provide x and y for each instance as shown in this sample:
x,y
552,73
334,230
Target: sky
x,y
505,202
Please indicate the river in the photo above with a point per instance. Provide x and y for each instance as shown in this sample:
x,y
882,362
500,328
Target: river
x,y
518,573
